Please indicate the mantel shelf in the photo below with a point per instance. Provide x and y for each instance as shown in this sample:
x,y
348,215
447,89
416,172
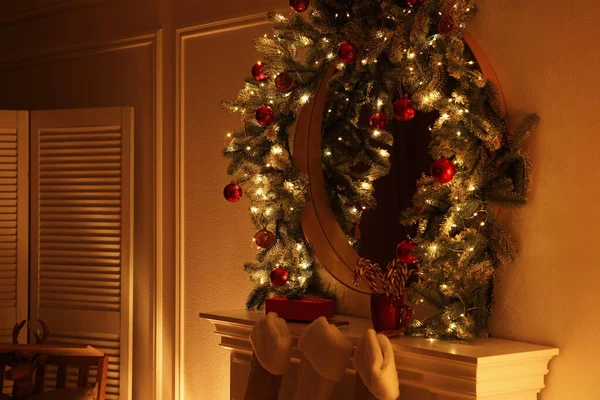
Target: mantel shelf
x,y
428,370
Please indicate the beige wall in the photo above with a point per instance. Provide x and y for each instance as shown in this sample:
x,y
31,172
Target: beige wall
x,y
545,54
217,234
546,57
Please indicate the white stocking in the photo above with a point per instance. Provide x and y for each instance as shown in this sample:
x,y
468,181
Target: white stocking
x,y
325,354
374,362
272,342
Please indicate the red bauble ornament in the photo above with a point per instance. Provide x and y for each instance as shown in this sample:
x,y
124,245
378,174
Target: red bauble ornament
x,y
233,193
414,3
264,238
258,72
284,82
299,5
404,252
347,52
265,115
403,111
279,277
446,25
443,170
378,121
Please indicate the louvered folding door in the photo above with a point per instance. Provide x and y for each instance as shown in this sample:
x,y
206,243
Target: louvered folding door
x,y
81,232
14,229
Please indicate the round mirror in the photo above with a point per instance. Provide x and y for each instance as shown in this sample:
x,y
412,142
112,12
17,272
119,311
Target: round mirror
x,y
379,228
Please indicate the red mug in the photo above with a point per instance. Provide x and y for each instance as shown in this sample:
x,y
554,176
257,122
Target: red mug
x,y
387,312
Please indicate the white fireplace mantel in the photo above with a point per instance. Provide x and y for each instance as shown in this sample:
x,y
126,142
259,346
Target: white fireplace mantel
x,y
490,369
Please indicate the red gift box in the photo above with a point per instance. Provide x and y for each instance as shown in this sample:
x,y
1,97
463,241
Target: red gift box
x,y
301,310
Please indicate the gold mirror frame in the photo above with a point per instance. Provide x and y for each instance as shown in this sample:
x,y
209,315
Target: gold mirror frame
x,y
320,225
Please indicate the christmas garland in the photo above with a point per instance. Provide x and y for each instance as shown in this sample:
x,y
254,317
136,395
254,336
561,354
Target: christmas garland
x,y
396,58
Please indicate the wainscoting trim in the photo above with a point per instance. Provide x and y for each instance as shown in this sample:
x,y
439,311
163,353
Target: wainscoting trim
x,y
182,35
46,10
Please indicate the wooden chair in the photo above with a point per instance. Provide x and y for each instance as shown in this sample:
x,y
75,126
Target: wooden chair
x,y
83,357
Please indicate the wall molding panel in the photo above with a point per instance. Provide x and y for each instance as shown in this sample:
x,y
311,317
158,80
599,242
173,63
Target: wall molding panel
x,y
183,35
84,50
46,9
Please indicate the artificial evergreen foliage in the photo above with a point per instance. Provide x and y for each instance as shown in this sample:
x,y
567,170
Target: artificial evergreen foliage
x,y
460,244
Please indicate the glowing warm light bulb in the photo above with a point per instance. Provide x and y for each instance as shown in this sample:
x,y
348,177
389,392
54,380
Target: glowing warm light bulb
x,y
276,150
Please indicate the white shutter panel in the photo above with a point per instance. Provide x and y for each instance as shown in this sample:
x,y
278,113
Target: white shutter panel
x,y
81,232
14,226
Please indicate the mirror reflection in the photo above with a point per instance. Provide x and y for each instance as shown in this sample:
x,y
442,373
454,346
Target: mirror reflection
x,y
380,228
375,231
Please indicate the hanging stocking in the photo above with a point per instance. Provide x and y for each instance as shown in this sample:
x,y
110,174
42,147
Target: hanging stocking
x,y
272,342
325,355
376,367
